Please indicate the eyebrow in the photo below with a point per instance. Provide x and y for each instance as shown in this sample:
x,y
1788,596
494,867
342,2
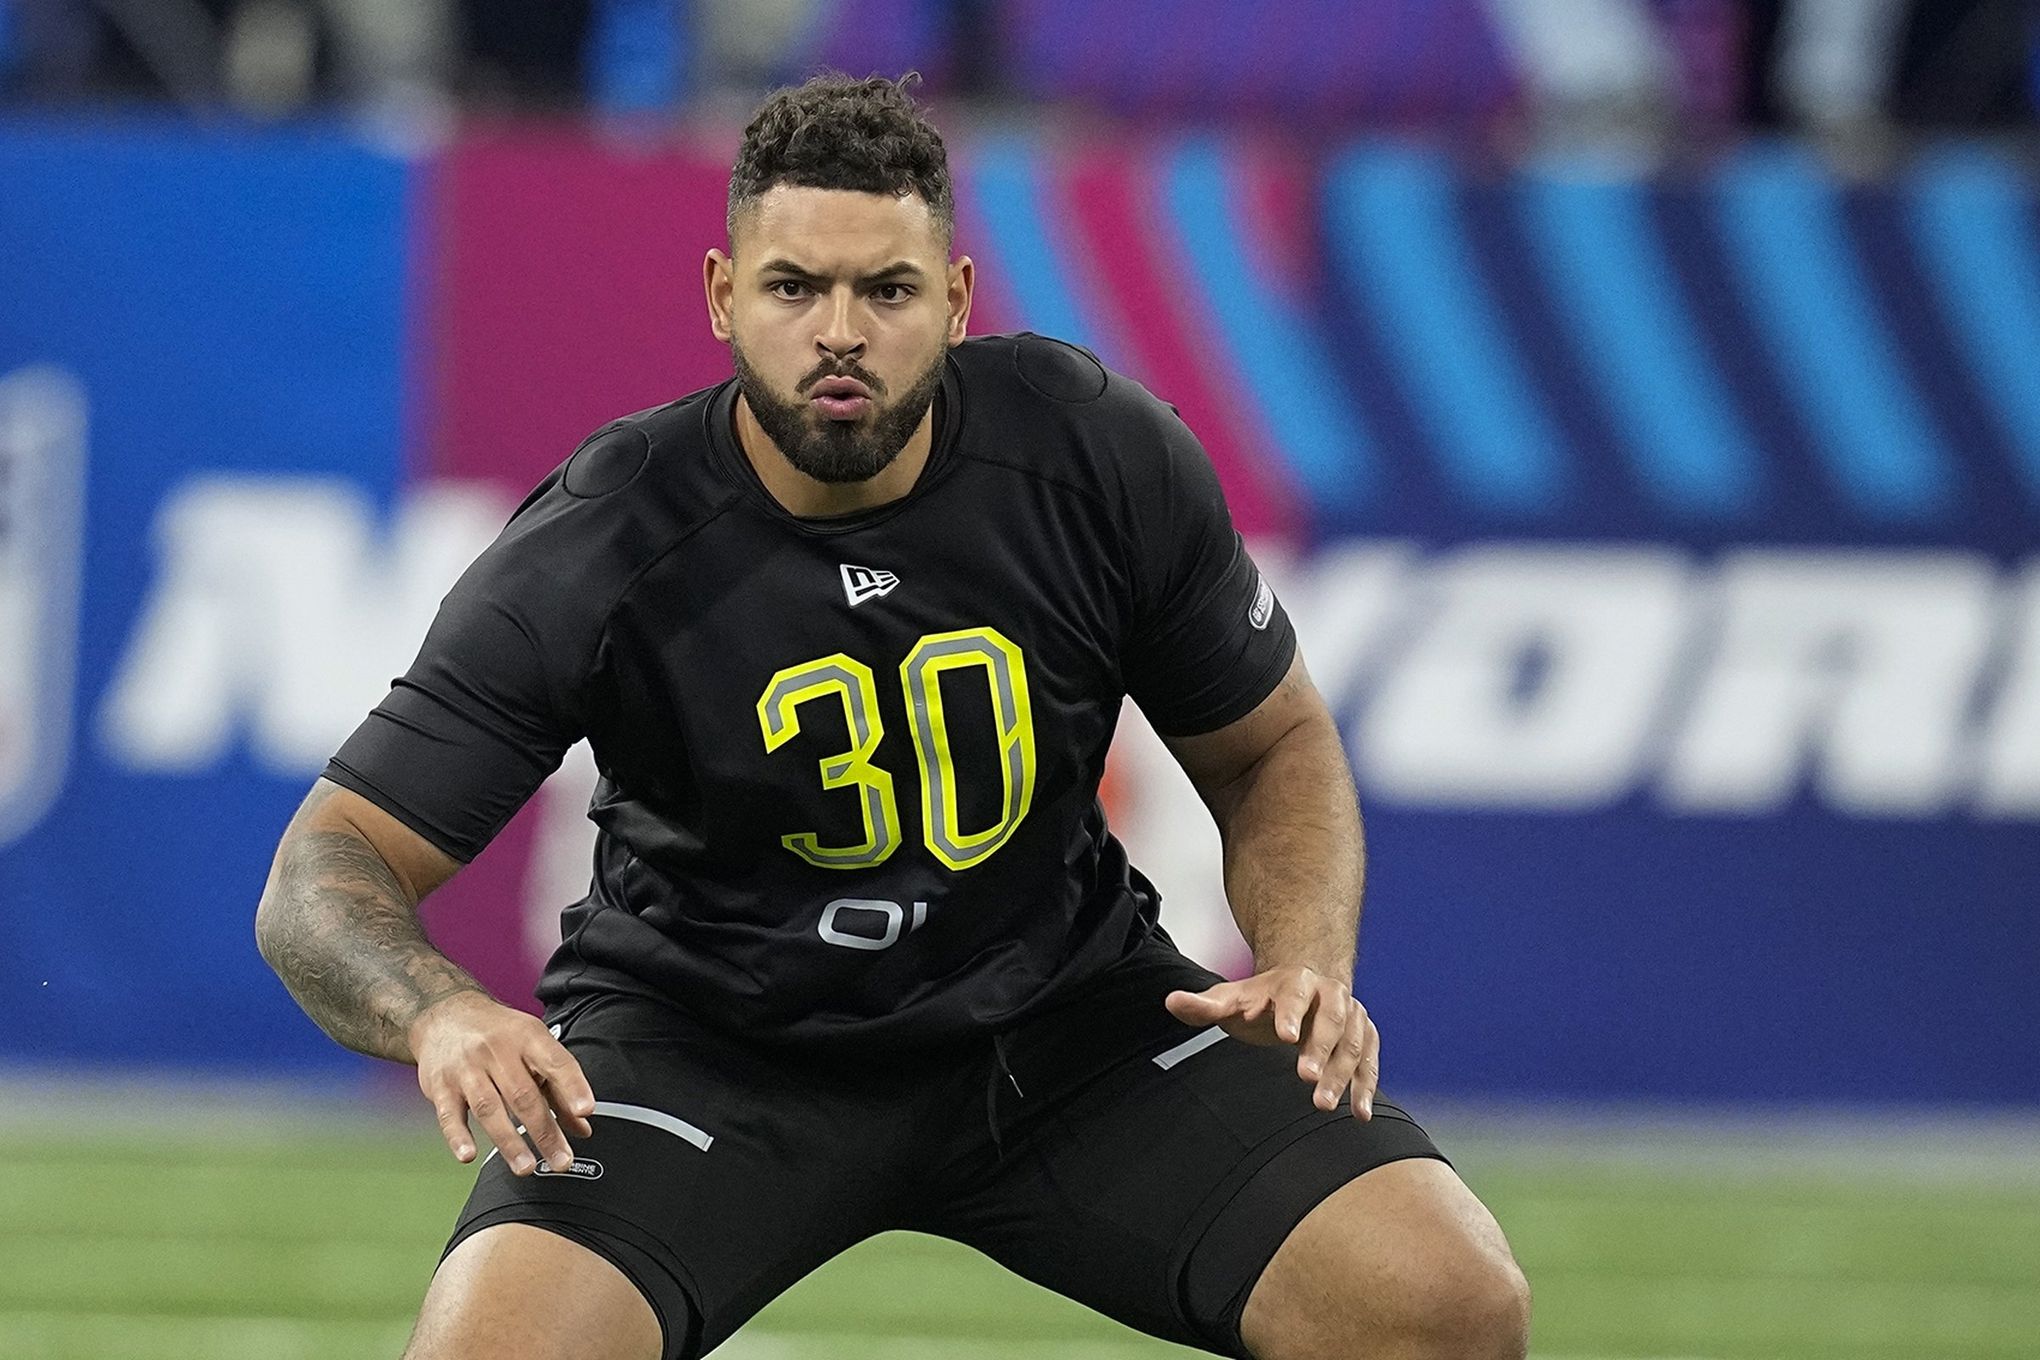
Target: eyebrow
x,y
898,269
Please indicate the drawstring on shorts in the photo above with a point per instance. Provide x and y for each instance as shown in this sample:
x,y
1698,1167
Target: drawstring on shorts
x,y
992,1091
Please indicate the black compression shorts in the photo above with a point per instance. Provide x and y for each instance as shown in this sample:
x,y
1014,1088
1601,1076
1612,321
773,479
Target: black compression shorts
x,y
1104,1150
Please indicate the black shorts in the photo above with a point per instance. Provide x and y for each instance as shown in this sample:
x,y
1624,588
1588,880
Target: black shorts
x,y
1103,1150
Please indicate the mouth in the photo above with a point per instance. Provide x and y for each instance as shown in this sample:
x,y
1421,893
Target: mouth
x,y
840,398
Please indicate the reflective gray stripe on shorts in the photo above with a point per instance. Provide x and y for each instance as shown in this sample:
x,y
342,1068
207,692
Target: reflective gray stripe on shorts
x,y
1189,1048
658,1119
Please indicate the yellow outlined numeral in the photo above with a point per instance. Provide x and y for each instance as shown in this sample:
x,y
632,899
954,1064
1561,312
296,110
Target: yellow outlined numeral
x,y
852,683
1006,672
850,680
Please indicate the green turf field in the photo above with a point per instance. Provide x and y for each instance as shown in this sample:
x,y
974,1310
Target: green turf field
x,y
280,1243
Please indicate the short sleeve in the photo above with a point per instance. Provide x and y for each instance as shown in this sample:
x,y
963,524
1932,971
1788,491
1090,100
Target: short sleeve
x,y
1209,640
477,723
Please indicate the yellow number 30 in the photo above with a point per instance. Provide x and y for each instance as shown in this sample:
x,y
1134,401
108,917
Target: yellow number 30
x,y
850,681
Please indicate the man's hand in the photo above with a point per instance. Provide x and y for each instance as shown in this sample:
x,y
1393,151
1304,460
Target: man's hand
x,y
475,1055
1340,1045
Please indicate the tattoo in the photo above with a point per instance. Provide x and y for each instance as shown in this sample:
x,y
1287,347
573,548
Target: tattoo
x,y
343,934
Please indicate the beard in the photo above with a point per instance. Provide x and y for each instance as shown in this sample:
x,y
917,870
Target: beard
x,y
839,450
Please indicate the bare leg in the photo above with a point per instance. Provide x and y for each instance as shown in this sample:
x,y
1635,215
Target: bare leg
x,y
1403,1263
517,1292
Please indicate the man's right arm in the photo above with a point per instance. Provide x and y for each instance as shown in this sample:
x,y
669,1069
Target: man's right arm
x,y
339,924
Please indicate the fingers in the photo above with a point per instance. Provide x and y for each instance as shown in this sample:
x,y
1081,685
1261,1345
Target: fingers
x,y
520,1092
1294,998
1199,1008
506,1071
573,1100
1367,1075
1240,1008
1326,1025
450,1106
1219,1002
1355,1061
486,1104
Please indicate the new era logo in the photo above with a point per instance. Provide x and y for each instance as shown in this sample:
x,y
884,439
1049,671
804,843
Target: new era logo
x,y
866,583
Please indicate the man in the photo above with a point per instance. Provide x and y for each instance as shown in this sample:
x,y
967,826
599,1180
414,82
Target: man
x,y
848,635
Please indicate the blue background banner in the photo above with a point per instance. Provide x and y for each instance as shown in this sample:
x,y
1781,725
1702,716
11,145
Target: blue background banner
x,y
230,305
1664,545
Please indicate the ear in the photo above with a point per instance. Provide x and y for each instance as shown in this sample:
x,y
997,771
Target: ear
x,y
719,285
962,280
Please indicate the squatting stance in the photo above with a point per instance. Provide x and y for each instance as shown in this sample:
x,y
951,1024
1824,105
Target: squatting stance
x,y
848,635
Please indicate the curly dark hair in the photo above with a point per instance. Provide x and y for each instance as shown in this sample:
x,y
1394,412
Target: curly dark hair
x,y
837,133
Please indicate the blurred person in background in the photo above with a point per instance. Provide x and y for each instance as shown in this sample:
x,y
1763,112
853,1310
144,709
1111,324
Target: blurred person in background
x,y
525,52
1964,65
748,44
1579,70
276,57
1825,65
1847,69
958,46
267,57
282,55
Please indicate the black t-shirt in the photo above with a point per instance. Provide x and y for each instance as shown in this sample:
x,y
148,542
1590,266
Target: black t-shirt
x,y
849,767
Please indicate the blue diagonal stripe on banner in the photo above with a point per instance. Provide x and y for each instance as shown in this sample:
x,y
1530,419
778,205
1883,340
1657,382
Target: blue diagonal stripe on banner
x,y
1969,215
1811,301
1684,433
1004,176
1302,402
1396,232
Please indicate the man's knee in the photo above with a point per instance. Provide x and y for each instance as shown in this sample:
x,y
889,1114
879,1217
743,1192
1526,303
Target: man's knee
x,y
1403,1264
516,1290
1475,1309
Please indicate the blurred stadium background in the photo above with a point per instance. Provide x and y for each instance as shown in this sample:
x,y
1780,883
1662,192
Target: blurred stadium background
x,y
1638,402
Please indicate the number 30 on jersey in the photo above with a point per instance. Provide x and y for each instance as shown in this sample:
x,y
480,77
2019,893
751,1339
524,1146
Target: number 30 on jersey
x,y
850,682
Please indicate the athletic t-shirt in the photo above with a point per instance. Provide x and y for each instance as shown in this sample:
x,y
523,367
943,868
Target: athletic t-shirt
x,y
849,767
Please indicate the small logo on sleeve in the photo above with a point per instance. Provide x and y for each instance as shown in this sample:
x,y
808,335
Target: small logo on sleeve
x,y
1264,607
866,583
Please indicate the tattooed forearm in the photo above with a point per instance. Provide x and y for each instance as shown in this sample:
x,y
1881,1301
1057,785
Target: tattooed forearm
x,y
341,931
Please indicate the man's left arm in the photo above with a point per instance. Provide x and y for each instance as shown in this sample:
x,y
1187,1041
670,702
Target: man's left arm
x,y
1278,787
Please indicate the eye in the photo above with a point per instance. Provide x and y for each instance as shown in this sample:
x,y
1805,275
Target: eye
x,y
892,292
789,290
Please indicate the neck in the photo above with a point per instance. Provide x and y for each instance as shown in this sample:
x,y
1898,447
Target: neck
x,y
802,495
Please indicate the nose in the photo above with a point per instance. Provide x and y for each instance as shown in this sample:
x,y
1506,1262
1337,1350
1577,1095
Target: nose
x,y
841,337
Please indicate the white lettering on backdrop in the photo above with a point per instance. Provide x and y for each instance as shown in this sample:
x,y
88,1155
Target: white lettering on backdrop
x,y
279,616
1525,676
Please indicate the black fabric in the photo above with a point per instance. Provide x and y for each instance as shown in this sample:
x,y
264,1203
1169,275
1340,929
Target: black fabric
x,y
1199,655
1071,551
1063,371
607,463
1157,1195
1059,1147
